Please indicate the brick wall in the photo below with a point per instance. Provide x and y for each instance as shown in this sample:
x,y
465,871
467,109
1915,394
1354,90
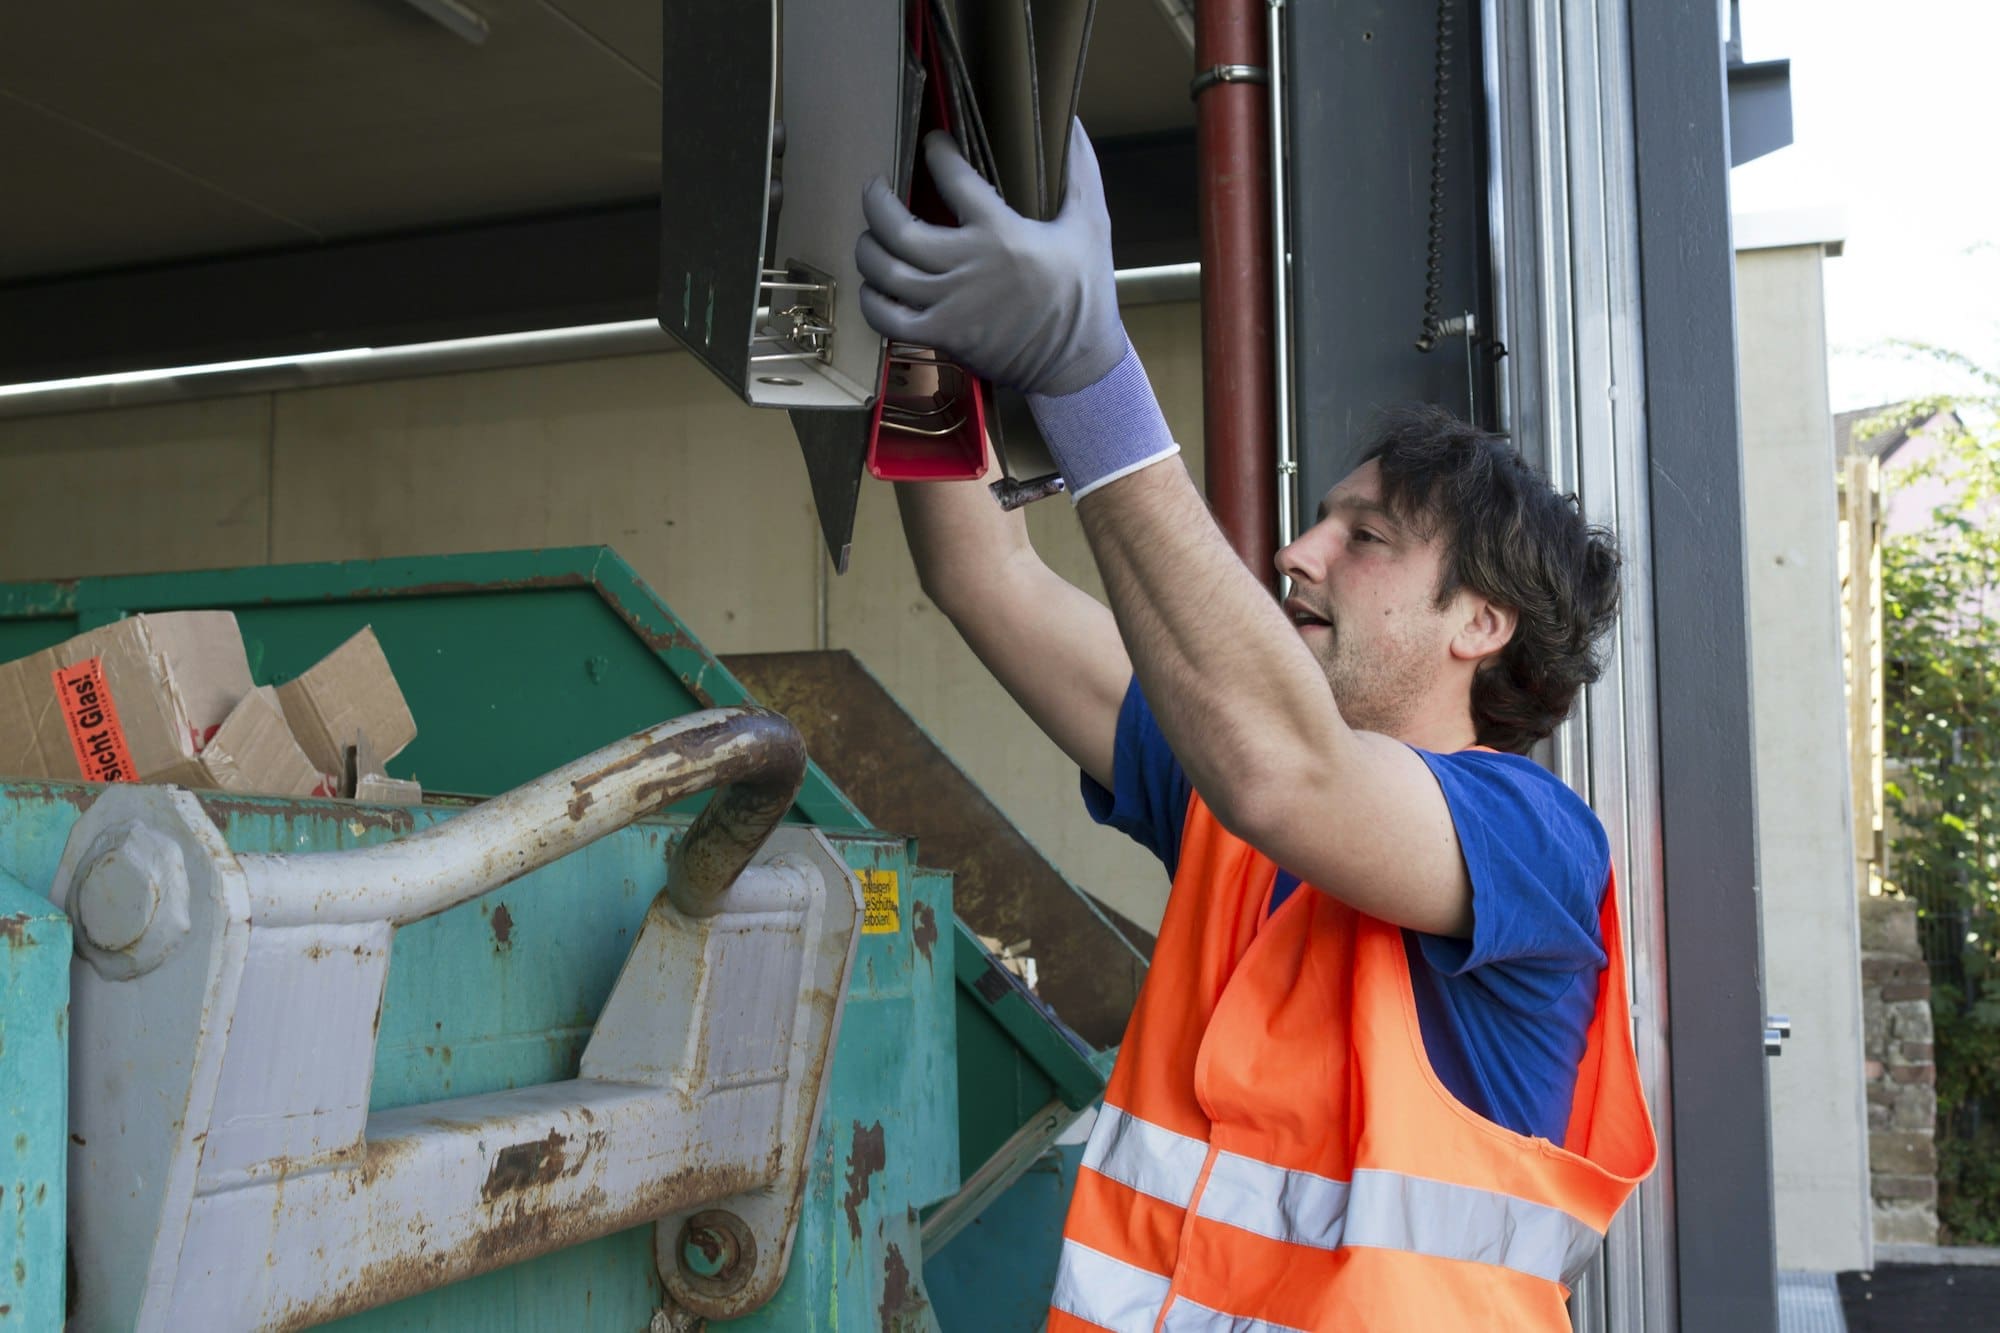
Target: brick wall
x,y
1901,1074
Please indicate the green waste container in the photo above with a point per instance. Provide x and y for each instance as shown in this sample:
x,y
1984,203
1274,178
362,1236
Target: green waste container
x,y
937,1184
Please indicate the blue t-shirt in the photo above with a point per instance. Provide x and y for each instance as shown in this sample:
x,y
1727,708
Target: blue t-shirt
x,y
1505,1013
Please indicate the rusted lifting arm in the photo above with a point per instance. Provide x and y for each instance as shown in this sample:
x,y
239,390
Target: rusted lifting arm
x,y
226,1171
754,756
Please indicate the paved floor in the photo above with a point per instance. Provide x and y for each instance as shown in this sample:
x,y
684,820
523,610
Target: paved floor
x,y
1809,1303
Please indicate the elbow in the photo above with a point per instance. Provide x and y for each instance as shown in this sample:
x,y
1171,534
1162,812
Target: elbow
x,y
952,585
970,589
1263,811
965,601
1281,785
937,587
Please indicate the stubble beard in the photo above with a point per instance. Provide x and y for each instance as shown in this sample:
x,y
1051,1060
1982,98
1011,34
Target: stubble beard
x,y
1378,690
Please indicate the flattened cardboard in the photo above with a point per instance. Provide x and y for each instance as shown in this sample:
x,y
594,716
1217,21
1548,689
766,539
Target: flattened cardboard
x,y
172,678
204,651
378,790
254,751
367,782
350,693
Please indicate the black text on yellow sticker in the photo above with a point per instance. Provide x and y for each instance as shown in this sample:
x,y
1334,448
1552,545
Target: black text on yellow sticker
x,y
881,911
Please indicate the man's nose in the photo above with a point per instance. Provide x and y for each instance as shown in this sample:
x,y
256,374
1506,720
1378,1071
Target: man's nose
x,y
1304,559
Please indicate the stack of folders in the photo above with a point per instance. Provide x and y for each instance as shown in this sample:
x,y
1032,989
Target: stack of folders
x,y
1001,77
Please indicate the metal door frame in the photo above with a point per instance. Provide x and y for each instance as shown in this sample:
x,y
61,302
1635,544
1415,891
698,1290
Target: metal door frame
x,y
1612,266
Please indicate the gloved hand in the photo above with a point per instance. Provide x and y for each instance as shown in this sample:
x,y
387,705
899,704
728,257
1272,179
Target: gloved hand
x,y
1033,305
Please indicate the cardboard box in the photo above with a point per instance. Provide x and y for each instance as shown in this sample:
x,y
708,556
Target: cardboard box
x,y
254,751
367,782
168,698
349,697
376,789
133,701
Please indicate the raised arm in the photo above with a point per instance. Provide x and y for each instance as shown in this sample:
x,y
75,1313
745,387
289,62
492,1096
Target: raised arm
x,y
1246,707
1054,647
1250,714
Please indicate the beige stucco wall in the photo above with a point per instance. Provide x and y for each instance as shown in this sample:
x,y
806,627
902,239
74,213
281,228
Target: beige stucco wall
x,y
1811,931
707,498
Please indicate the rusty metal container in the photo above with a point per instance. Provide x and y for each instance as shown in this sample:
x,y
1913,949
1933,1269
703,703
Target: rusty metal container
x,y
935,1184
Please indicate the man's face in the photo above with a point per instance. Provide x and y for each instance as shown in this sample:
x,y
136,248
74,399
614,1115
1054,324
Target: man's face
x,y
1364,598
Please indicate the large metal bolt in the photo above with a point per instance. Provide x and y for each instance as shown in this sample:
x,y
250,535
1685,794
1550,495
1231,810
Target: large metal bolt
x,y
717,1250
137,885
708,1251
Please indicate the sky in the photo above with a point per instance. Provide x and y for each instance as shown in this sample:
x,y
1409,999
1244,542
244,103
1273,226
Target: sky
x,y
1894,127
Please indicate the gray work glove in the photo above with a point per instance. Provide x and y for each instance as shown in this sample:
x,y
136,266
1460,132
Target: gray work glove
x,y
1033,305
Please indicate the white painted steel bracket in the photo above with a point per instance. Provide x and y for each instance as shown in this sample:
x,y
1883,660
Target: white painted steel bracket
x,y
225,1172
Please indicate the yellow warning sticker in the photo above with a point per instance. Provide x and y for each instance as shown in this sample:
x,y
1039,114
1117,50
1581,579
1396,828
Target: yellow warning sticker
x,y
881,911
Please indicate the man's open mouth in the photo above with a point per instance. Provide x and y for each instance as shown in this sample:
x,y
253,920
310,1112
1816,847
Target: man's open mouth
x,y
1302,615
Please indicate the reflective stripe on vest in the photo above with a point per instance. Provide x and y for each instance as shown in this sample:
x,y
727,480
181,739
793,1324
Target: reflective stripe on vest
x,y
1144,1156
1382,1209
1188,1316
1103,1291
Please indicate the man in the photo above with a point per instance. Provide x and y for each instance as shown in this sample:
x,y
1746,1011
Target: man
x,y
1402,1096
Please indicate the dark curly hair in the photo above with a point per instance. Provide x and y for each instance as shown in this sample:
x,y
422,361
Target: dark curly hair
x,y
1509,537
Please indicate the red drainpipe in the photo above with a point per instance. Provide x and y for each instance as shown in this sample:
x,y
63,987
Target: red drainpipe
x,y
1233,150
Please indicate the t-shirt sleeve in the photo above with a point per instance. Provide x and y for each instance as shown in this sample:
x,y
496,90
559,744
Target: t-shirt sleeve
x,y
1539,863
1149,795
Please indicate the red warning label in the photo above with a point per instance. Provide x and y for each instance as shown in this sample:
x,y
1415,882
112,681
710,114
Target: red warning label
x,y
92,719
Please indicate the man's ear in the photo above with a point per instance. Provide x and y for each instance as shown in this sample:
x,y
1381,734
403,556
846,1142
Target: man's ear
x,y
1487,627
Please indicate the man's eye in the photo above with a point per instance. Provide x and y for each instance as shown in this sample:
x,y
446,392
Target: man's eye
x,y
1364,535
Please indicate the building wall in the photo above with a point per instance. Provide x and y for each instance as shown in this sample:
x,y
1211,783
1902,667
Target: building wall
x,y
1804,823
708,500
1901,1072
706,497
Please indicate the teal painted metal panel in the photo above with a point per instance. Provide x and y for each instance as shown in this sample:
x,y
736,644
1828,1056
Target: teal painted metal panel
x,y
20,637
1058,1054
888,1145
514,664
1003,1088
1000,1271
34,1106
38,601
502,992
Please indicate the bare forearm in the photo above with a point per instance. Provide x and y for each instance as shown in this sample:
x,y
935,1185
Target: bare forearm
x,y
1242,700
957,535
1052,646
1239,697
1251,716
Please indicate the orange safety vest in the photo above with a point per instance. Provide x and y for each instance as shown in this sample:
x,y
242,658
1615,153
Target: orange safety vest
x,y
1276,1153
